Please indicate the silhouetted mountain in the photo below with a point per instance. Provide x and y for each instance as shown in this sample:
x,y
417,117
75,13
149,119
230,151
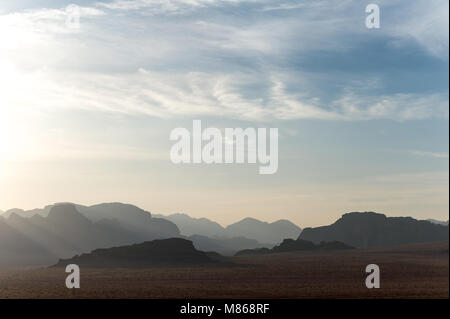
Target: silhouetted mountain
x,y
129,216
132,218
66,232
223,245
300,244
174,252
195,226
291,245
264,232
28,213
66,222
372,229
439,222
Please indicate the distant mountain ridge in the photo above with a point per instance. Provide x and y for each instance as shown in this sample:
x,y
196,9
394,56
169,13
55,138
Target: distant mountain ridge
x,y
366,229
65,232
195,226
129,216
251,228
42,236
138,220
264,232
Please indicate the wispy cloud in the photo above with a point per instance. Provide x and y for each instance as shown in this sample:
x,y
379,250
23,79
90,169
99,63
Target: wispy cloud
x,y
165,95
427,23
430,154
170,5
400,107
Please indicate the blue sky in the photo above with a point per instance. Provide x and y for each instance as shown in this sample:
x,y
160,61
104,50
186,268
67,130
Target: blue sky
x,y
85,114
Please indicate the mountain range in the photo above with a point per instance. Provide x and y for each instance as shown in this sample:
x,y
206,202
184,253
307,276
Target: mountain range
x,y
38,237
251,228
60,231
42,236
129,216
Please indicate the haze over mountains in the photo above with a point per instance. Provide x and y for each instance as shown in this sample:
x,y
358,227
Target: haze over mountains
x,y
129,216
43,236
263,232
360,230
64,230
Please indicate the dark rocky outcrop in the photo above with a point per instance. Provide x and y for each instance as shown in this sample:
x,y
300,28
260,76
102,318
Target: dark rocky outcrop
x,y
371,229
290,245
174,252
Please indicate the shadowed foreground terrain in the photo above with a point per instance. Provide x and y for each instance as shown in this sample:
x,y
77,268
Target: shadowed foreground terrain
x,y
157,253
409,271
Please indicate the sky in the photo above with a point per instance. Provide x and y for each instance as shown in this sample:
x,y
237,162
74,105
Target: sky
x,y
86,113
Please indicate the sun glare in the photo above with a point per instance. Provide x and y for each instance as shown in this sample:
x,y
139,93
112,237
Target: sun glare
x,y
6,138
14,129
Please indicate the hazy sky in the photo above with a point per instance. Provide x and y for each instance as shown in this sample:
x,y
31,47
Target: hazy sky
x,y
85,114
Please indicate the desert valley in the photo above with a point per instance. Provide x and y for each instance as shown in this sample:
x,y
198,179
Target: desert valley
x,y
126,252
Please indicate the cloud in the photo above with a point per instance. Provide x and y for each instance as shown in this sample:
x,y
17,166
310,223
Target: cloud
x,y
430,154
45,20
400,107
424,21
166,95
156,7
427,22
244,66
